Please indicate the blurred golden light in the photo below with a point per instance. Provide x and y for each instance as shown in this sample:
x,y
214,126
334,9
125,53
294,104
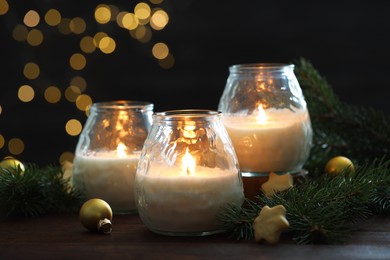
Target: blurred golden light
x,y
53,17
35,37
107,45
31,18
142,10
73,127
66,157
83,102
64,26
3,7
87,45
15,146
2,141
1,109
147,35
77,25
102,14
77,61
97,38
26,93
52,94
31,70
129,21
160,50
72,93
159,20
168,62
156,2
79,82
20,32
119,18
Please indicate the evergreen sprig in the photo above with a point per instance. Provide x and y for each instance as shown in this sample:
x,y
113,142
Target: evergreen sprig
x,y
362,133
320,210
36,191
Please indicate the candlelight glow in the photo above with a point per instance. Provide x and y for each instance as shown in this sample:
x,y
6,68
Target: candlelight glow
x,y
188,164
121,150
261,117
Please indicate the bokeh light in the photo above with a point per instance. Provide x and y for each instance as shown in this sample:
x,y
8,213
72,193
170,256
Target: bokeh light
x,y
128,21
20,33
77,61
102,14
87,45
31,18
73,127
4,7
156,2
79,82
26,93
53,17
35,37
83,102
15,146
31,70
64,26
52,94
2,141
77,25
159,20
160,50
72,93
107,45
168,62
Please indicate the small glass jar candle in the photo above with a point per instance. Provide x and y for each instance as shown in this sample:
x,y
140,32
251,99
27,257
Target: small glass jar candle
x,y
187,173
108,152
265,114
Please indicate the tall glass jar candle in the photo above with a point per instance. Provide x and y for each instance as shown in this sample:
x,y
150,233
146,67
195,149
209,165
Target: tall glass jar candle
x,y
267,119
187,173
108,152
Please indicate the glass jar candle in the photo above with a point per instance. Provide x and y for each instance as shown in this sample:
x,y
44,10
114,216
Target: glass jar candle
x,y
265,114
108,152
187,173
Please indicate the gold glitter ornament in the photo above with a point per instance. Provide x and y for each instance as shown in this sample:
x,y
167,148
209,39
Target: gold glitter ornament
x,y
339,163
96,215
12,164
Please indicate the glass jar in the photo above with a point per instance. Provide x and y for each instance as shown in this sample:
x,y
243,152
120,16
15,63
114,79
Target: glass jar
x,y
108,152
188,171
265,114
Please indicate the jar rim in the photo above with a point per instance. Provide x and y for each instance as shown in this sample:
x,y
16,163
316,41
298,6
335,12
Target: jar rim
x,y
124,104
262,66
186,114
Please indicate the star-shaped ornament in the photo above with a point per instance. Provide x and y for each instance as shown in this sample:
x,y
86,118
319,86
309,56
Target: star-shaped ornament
x,y
277,183
270,223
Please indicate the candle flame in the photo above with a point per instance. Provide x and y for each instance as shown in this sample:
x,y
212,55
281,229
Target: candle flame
x,y
261,117
121,150
188,163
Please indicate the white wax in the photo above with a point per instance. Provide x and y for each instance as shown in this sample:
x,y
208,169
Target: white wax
x,y
170,202
107,177
280,144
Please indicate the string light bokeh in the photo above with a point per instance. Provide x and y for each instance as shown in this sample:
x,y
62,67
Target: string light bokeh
x,y
45,23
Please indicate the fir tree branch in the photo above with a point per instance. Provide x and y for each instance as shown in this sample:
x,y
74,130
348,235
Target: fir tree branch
x,y
35,192
320,210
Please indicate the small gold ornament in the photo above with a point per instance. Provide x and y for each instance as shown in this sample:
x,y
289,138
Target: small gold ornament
x,y
339,163
270,223
12,164
96,215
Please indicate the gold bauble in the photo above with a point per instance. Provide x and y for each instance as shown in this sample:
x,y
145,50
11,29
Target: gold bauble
x,y
96,215
12,164
338,164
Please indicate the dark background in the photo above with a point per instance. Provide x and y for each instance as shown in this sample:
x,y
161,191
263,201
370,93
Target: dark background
x,y
347,41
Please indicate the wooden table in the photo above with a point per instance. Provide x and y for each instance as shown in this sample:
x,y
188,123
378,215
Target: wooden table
x,y
63,237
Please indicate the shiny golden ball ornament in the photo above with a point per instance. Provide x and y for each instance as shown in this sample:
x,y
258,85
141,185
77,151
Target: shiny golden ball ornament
x,y
11,164
339,163
96,215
